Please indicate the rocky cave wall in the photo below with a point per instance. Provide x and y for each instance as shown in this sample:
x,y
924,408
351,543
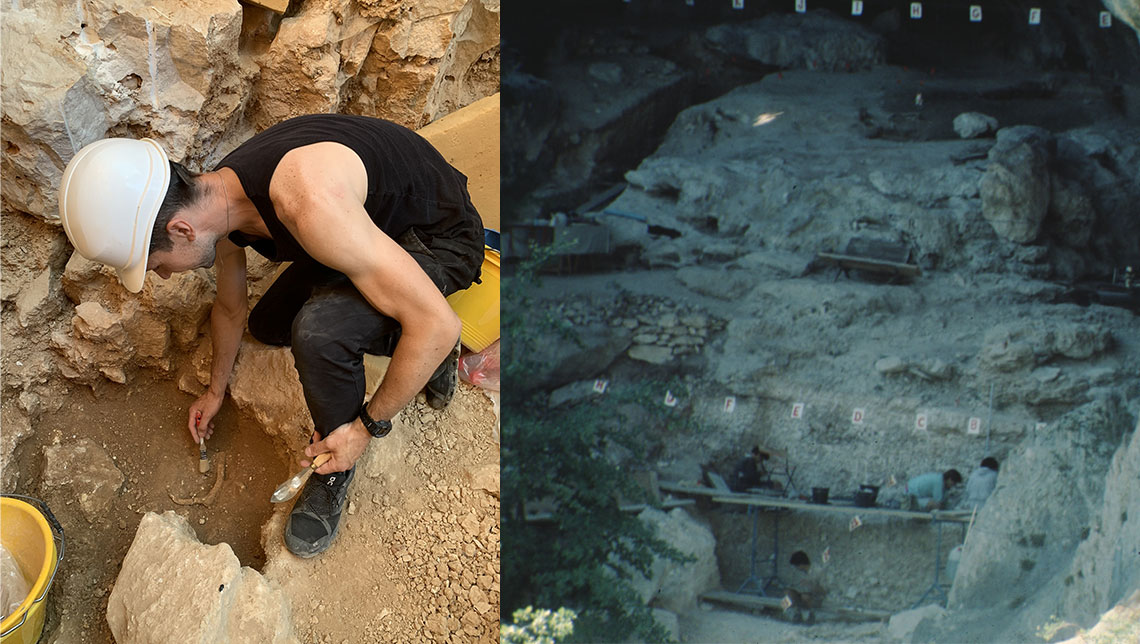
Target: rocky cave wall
x,y
812,143
199,78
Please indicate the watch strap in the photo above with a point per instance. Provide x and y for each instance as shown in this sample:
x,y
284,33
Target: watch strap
x,y
377,428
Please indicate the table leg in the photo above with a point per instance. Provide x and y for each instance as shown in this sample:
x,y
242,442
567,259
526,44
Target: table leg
x,y
936,587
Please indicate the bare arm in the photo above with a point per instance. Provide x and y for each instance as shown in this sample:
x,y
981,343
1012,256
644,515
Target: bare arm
x,y
319,193
227,321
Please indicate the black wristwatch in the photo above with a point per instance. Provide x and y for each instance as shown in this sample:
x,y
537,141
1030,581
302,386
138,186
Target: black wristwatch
x,y
378,428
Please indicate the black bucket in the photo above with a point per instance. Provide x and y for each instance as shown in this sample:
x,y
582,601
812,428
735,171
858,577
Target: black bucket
x,y
866,496
819,494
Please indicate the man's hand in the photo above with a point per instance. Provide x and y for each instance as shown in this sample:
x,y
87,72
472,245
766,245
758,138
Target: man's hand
x,y
207,406
346,443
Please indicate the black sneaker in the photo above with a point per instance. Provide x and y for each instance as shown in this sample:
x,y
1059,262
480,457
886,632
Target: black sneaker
x,y
441,388
315,518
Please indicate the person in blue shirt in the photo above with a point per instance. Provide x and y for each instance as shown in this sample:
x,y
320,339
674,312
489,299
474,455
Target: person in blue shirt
x,y
928,491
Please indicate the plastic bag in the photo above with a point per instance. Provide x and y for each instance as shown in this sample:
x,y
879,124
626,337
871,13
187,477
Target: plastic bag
x,y
13,586
481,369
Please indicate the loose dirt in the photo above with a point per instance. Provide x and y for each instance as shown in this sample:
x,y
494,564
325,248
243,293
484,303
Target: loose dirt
x,y
142,427
416,558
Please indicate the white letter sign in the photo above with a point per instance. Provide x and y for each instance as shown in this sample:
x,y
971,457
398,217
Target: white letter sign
x,y
916,11
857,7
975,13
797,411
857,416
600,386
975,426
729,404
670,399
920,422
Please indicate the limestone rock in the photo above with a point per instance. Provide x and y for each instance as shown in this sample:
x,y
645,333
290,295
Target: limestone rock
x,y
587,352
1016,186
903,625
1071,215
970,125
651,353
17,427
1020,545
722,284
676,587
51,108
469,69
1114,538
817,40
95,323
933,369
173,588
300,72
266,386
87,470
34,302
573,392
890,364
486,478
1015,346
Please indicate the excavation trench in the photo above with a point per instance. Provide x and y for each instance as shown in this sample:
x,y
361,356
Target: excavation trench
x,y
142,429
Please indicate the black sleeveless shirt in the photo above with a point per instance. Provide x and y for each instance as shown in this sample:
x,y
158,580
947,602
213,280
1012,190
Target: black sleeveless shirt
x,y
409,182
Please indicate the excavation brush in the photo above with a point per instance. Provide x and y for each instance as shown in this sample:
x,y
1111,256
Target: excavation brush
x,y
290,488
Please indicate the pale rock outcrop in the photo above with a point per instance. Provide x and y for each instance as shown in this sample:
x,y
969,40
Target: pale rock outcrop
x,y
1020,345
1016,187
1106,567
1020,545
674,586
113,333
584,355
469,69
817,40
87,470
970,125
902,625
50,107
410,52
174,588
301,70
36,300
265,385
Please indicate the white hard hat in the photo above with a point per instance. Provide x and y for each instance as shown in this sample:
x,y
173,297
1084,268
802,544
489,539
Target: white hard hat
x,y
108,200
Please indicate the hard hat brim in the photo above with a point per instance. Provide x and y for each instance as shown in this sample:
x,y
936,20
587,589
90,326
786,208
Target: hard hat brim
x,y
134,276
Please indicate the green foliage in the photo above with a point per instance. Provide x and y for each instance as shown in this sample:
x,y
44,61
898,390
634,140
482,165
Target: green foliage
x,y
530,626
586,555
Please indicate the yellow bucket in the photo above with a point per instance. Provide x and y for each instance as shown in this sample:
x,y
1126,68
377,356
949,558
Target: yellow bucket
x,y
29,531
478,306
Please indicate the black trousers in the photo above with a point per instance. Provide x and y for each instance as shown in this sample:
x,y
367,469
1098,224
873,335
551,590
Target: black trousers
x,y
330,325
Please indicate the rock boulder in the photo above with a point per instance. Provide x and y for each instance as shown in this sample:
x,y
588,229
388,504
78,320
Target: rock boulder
x,y
1016,186
970,125
87,470
172,588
